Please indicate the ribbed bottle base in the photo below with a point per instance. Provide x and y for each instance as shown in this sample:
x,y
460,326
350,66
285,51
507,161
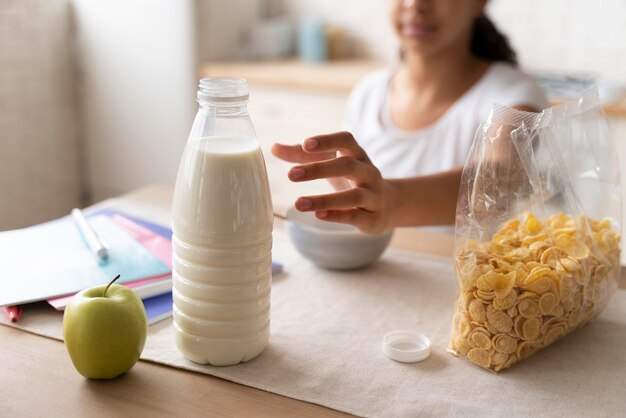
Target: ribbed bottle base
x,y
221,351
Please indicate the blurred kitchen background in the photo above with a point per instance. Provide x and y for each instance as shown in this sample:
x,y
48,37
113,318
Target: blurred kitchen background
x,y
97,97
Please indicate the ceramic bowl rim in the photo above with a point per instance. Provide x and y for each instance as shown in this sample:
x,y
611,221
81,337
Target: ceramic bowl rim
x,y
350,233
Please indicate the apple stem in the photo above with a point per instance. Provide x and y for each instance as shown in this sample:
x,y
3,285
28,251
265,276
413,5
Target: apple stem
x,y
107,288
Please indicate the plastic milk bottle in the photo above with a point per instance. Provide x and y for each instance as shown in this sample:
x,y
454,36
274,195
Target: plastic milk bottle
x,y
222,232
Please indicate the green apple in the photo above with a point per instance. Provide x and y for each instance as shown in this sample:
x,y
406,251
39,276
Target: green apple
x,y
105,329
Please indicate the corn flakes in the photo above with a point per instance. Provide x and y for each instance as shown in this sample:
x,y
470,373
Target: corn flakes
x,y
529,308
547,303
480,339
532,283
504,344
479,356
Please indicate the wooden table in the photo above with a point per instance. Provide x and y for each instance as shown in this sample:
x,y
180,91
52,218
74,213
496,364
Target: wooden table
x,y
39,378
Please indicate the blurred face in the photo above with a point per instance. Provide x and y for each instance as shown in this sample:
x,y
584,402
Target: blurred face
x,y
429,27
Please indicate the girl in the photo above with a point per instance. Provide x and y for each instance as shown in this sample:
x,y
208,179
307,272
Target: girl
x,y
416,120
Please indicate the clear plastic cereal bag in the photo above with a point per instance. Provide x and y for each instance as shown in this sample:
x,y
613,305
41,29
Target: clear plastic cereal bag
x,y
537,251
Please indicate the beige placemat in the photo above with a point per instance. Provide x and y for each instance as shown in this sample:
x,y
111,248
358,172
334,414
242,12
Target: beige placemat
x,y
325,347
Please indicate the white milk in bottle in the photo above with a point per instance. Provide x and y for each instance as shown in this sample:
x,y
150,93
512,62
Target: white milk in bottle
x,y
222,232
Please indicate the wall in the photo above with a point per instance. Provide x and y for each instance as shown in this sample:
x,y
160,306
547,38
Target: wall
x,y
560,35
365,22
222,38
39,144
567,35
138,64
221,26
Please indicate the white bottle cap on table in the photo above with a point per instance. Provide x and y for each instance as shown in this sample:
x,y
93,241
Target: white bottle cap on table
x,y
406,346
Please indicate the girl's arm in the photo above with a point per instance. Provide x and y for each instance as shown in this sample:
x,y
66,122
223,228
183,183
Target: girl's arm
x,y
372,203
426,200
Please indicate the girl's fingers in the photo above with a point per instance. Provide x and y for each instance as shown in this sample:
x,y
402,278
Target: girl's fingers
x,y
346,199
336,156
295,154
359,218
343,142
347,167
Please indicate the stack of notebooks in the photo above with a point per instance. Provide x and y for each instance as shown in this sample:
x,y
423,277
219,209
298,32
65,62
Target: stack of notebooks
x,y
50,262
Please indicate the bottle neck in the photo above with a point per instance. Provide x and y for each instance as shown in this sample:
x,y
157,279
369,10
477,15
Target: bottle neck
x,y
225,110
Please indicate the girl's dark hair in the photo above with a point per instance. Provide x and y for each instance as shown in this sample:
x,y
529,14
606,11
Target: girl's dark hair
x,y
488,43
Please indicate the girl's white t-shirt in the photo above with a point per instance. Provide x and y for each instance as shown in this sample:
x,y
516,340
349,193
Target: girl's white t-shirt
x,y
444,144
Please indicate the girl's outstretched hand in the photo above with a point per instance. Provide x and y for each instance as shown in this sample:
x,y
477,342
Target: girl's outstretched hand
x,y
366,200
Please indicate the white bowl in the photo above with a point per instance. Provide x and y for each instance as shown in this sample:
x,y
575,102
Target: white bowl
x,y
332,245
